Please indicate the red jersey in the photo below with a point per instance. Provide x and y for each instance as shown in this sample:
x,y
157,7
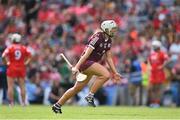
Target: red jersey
x,y
16,55
156,60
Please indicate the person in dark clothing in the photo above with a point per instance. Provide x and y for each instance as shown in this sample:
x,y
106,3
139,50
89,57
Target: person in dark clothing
x,y
175,85
135,80
56,91
3,79
31,10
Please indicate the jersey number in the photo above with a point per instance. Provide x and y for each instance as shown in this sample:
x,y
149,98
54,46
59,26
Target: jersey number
x,y
17,54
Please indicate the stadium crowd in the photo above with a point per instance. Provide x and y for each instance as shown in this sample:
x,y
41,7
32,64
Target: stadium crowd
x,y
50,27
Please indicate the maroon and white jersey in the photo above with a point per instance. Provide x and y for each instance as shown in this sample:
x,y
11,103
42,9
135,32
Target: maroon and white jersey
x,y
100,45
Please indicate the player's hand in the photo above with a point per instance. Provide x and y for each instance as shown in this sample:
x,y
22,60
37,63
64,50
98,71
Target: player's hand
x,y
8,63
74,70
160,67
117,78
26,63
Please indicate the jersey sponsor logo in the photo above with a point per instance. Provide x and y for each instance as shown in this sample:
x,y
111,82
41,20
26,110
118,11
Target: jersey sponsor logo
x,y
109,45
99,53
105,45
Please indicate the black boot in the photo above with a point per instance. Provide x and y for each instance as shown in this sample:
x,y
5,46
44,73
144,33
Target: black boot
x,y
56,108
90,100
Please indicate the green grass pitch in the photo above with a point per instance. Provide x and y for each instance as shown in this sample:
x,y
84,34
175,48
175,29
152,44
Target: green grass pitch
x,y
40,112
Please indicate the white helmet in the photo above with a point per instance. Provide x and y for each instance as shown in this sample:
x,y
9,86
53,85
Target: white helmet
x,y
15,37
156,43
108,25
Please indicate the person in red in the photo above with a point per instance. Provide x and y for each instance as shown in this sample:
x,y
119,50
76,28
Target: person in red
x,y
157,60
99,45
16,56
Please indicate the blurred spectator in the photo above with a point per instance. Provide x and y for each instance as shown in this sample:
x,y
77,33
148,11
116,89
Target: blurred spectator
x,y
31,10
175,85
56,92
3,82
175,49
135,81
145,80
3,79
34,91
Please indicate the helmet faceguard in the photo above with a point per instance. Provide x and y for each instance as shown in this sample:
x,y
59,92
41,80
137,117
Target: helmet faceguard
x,y
109,27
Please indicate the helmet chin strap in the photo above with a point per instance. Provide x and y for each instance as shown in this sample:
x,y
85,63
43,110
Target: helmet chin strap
x,y
16,42
107,34
156,49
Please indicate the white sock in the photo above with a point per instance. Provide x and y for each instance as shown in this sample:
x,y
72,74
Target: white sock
x,y
1,96
91,94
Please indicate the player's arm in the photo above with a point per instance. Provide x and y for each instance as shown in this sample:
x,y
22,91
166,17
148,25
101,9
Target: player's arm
x,y
28,60
149,67
166,61
36,7
29,56
94,42
4,57
110,61
83,58
116,76
164,64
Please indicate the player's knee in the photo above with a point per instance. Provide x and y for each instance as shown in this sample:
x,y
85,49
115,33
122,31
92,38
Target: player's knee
x,y
106,76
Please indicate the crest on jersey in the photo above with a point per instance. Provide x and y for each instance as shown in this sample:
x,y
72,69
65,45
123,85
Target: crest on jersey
x,y
105,45
109,45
